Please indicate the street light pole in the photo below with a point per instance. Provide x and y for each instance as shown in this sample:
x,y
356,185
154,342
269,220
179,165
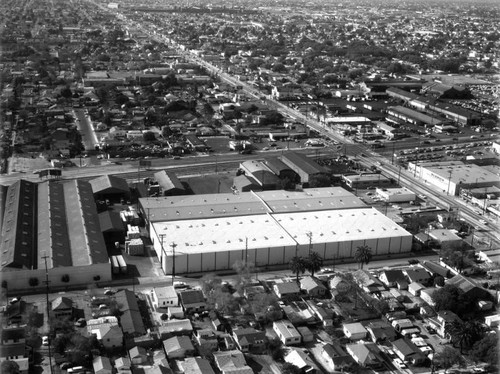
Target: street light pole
x,y
173,245
48,310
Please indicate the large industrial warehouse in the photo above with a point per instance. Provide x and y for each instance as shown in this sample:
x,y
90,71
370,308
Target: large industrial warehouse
x,y
212,232
51,224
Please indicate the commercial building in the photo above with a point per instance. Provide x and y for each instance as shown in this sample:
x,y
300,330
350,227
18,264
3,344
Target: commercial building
x,y
53,224
366,180
396,195
412,116
212,232
305,167
453,176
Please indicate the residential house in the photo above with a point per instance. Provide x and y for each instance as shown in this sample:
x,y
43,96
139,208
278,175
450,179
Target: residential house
x,y
138,355
251,291
13,347
178,347
436,269
195,365
286,289
381,332
313,287
62,308
366,355
175,327
175,312
111,336
164,297
414,288
419,275
286,332
207,339
306,333
441,322
406,350
231,362
426,295
192,301
249,339
122,364
300,358
368,282
336,357
391,277
355,331
229,342
102,365
130,319
324,314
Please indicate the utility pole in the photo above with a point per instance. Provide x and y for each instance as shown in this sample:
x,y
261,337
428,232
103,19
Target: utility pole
x,y
161,236
309,235
48,309
449,182
173,245
246,251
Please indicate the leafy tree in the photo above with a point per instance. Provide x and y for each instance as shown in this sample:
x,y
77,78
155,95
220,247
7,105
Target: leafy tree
x,y
66,93
363,255
288,368
275,349
9,367
447,358
438,281
319,180
465,334
314,262
149,136
297,266
244,271
486,349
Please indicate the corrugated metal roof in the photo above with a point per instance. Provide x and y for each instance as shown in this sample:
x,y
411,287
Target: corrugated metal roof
x,y
109,183
302,162
276,165
18,248
168,181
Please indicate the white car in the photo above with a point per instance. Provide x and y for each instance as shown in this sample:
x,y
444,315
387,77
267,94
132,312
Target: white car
x,y
45,340
399,363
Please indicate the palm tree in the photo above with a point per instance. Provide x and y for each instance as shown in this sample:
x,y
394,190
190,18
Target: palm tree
x,y
298,265
314,262
363,255
464,333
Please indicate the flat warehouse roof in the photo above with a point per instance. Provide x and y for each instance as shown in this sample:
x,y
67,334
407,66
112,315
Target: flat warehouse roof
x,y
173,208
277,230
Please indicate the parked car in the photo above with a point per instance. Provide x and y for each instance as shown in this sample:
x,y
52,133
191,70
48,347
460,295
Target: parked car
x,y
45,340
399,363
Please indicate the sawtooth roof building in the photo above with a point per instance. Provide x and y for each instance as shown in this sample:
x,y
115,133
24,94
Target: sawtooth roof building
x,y
212,232
53,224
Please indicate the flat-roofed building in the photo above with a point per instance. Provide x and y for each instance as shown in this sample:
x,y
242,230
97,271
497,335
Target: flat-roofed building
x,y
396,195
273,239
453,176
361,181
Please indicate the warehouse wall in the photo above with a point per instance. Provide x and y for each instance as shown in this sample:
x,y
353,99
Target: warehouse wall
x,y
224,260
18,280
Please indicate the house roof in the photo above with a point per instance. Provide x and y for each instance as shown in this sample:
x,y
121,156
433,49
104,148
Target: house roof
x,y
366,353
177,325
110,221
393,275
13,333
131,321
406,347
300,358
62,303
302,162
436,268
168,181
287,288
109,183
196,365
101,363
137,351
177,343
355,328
310,283
122,363
249,335
191,297
417,274
230,360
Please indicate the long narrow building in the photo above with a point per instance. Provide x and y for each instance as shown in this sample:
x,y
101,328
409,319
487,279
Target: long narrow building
x,y
53,224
